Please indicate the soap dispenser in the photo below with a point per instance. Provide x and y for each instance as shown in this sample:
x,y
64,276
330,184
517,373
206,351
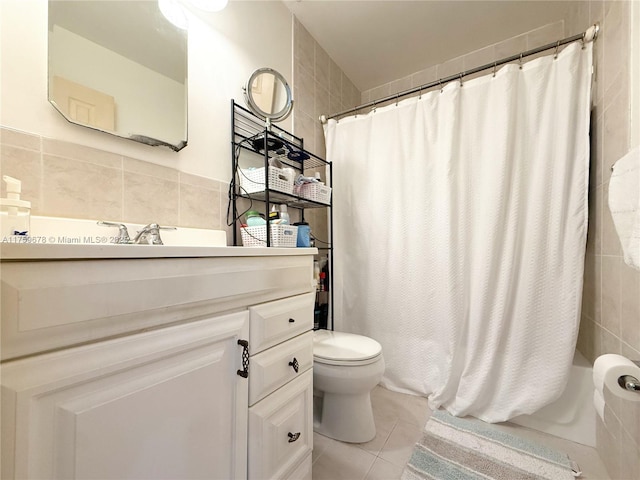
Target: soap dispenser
x,y
14,213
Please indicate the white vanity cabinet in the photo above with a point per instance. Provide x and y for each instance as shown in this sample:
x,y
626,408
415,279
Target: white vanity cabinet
x,y
281,389
147,405
132,368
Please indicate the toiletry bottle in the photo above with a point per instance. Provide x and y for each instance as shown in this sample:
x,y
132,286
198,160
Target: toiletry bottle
x,y
274,215
316,274
254,219
284,215
14,213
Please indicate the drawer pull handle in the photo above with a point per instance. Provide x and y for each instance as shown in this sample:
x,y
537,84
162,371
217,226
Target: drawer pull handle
x,y
292,320
294,363
293,437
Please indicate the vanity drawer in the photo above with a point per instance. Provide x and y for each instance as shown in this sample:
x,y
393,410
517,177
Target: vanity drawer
x,y
302,471
281,430
274,322
273,368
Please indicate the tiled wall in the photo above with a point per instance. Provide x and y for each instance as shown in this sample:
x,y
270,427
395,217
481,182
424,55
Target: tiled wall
x,y
320,88
68,180
535,38
611,300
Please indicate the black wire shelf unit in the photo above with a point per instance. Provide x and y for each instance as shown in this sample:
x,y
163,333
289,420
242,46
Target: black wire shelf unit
x,y
252,141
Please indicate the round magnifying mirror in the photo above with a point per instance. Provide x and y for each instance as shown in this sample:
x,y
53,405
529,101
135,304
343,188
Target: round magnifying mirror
x,y
268,95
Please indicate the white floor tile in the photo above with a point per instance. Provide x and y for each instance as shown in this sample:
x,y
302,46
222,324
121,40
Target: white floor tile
x,y
400,406
383,470
342,461
384,427
400,443
320,444
400,421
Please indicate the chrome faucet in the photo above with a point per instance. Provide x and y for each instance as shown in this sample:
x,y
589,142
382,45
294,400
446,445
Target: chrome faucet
x,y
150,235
123,233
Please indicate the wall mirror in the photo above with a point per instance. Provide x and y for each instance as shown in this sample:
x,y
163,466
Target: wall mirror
x,y
119,67
268,95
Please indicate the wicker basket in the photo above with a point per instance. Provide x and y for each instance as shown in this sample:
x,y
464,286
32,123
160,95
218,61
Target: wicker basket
x,y
317,192
252,180
281,236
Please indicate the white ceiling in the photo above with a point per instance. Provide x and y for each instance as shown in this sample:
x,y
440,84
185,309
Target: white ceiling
x,y
375,42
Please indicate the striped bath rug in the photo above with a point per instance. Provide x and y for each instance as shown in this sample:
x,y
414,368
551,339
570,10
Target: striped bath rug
x,y
455,448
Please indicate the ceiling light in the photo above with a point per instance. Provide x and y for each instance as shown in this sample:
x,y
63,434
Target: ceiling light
x,y
174,12
209,5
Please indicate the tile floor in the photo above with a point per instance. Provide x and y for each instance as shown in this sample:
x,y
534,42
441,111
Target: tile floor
x,y
399,422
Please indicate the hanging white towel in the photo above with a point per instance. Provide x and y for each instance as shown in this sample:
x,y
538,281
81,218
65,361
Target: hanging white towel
x,y
624,203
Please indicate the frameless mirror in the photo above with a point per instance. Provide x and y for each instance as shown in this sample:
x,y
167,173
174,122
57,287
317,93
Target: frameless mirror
x,y
119,67
268,95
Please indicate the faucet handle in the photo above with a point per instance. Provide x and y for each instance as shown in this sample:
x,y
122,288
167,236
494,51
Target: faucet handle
x,y
151,234
123,233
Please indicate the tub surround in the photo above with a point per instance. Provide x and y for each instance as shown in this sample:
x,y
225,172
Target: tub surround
x,y
610,321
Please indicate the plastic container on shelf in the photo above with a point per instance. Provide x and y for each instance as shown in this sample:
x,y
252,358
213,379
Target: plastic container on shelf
x,y
281,236
252,180
318,192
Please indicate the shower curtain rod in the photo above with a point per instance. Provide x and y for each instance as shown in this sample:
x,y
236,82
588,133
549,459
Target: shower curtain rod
x,y
589,35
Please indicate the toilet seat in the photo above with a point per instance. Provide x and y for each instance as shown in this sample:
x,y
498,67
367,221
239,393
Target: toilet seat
x,y
346,349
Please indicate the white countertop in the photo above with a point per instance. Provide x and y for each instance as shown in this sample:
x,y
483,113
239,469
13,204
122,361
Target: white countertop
x,y
13,252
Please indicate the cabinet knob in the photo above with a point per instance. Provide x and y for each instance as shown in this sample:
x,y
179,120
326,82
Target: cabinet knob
x,y
292,320
294,363
293,437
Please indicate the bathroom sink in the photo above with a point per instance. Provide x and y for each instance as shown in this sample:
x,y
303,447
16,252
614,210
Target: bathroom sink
x,y
71,231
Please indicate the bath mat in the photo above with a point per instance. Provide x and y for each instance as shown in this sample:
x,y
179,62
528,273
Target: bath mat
x,y
455,448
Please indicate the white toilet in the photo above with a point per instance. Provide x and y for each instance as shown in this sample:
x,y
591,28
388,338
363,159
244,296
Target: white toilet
x,y
346,367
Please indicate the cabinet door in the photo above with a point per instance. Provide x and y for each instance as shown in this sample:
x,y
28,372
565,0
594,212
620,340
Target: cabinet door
x,y
161,404
281,430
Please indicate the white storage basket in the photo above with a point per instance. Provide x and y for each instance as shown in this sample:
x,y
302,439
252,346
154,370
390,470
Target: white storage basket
x,y
281,236
316,192
252,180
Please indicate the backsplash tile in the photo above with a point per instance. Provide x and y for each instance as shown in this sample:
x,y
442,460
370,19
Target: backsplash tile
x,y
150,200
77,189
80,152
151,169
69,180
19,139
199,206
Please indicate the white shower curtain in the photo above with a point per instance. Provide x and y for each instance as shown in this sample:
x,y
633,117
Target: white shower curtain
x,y
460,223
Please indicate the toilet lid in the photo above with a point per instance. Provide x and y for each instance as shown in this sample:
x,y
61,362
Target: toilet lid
x,y
345,347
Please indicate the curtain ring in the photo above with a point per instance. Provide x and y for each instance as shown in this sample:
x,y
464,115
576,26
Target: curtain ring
x,y
440,83
584,43
373,108
520,61
460,77
420,93
495,65
555,55
397,97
